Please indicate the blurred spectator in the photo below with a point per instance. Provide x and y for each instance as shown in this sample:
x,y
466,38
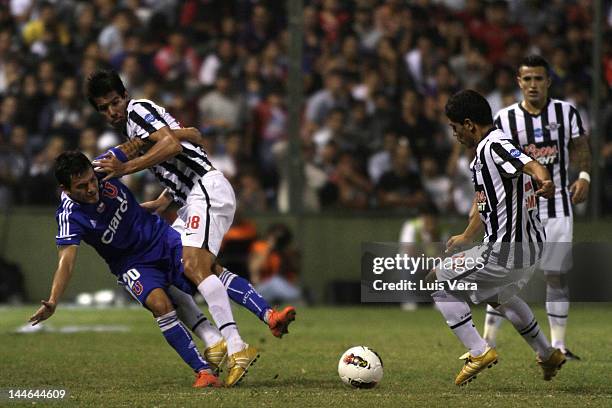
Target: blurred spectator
x,y
234,253
269,127
111,39
354,188
505,89
400,187
177,61
41,186
334,95
46,24
14,163
250,195
224,58
380,162
88,143
63,115
273,266
437,185
221,109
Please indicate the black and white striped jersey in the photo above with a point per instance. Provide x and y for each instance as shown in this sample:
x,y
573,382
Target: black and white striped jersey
x,y
505,197
546,138
180,173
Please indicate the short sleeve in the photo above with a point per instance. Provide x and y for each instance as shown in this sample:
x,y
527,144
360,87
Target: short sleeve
x,y
509,157
144,119
69,231
576,127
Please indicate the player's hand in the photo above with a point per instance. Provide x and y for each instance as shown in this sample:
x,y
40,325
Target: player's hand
x,y
110,165
546,188
43,313
580,191
456,241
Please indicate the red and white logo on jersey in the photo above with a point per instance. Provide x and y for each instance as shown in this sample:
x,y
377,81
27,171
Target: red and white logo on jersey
x,y
544,152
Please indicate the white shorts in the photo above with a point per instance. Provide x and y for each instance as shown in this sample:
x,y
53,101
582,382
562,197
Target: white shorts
x,y
495,283
208,213
557,256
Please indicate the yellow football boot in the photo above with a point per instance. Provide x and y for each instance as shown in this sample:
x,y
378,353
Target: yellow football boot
x,y
239,364
474,365
215,355
552,365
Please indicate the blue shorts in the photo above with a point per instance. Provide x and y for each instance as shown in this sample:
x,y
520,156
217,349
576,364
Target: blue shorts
x,y
140,279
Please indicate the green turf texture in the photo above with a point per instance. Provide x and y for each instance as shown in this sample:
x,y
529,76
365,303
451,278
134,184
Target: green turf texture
x,y
138,368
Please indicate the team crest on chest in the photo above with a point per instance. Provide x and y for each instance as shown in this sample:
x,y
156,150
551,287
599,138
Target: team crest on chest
x,y
553,127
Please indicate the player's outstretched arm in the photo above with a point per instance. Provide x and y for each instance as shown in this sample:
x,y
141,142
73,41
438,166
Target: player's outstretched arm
x,y
474,227
546,187
580,153
66,261
165,146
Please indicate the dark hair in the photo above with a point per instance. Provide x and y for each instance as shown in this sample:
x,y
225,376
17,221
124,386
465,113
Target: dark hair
x,y
101,83
535,61
68,164
469,104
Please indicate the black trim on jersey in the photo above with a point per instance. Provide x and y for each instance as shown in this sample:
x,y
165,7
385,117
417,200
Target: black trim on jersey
x,y
509,190
518,251
195,154
194,166
498,124
146,126
512,123
170,184
179,174
491,195
562,171
461,323
529,128
545,130
206,231
574,112
152,111
503,153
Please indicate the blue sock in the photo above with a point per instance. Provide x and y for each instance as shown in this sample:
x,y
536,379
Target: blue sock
x,y
243,293
179,338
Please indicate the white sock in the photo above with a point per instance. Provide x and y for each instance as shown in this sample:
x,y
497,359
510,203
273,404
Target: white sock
x,y
493,321
523,320
190,314
459,318
557,309
215,295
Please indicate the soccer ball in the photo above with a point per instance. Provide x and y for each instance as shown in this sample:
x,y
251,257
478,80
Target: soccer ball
x,y
360,367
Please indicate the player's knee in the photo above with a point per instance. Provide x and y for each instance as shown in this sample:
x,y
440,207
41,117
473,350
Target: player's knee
x,y
159,303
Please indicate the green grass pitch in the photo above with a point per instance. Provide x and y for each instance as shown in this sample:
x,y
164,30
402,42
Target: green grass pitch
x,y
138,369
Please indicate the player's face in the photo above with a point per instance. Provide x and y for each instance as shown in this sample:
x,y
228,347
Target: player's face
x,y
534,83
84,187
113,107
462,133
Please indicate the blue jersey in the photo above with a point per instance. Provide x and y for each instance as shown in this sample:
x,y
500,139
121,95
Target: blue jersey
x,y
121,231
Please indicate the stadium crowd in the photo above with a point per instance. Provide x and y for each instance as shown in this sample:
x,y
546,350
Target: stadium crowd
x,y
376,76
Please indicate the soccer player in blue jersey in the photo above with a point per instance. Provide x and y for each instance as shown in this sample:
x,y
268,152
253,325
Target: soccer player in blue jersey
x,y
145,254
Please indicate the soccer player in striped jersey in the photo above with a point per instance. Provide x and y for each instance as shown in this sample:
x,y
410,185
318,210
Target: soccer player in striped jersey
x,y
550,131
505,205
206,197
145,255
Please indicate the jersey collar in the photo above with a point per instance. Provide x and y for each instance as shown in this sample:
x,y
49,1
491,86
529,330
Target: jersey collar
x,y
526,112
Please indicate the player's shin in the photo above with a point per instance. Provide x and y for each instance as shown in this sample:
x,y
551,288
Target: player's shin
x,y
557,308
215,295
493,321
179,338
458,316
523,320
190,314
243,293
